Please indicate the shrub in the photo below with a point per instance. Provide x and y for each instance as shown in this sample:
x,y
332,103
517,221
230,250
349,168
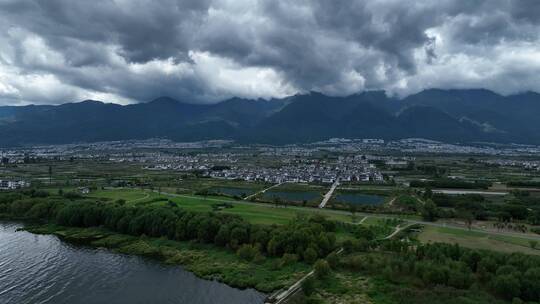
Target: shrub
x,y
308,286
247,252
507,286
333,260
310,255
322,269
288,259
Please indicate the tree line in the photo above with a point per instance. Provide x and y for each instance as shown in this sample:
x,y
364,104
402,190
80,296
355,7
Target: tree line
x,y
307,238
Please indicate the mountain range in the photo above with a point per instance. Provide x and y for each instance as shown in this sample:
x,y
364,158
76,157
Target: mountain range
x,y
445,115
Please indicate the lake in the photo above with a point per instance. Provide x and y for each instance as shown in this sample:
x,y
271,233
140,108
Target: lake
x,y
360,199
232,191
42,269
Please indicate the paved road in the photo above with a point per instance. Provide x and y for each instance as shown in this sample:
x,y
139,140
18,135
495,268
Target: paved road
x,y
328,195
263,191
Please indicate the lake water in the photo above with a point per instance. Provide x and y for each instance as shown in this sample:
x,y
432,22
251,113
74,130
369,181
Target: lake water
x,y
41,269
292,195
360,199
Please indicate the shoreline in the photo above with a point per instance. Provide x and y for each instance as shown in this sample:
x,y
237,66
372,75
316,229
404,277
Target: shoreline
x,y
205,261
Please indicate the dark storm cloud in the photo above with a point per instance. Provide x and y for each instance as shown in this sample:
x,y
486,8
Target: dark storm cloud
x,y
144,29
202,51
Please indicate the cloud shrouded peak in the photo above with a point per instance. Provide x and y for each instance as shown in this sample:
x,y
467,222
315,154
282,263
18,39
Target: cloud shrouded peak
x,y
202,51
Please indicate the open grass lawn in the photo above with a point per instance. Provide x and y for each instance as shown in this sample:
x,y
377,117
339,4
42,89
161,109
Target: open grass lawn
x,y
254,212
268,214
477,240
130,195
198,184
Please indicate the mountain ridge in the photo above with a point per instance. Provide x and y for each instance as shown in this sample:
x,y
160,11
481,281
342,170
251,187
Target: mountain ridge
x,y
446,115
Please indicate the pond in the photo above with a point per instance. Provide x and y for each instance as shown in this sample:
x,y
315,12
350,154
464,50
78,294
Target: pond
x,y
359,199
232,191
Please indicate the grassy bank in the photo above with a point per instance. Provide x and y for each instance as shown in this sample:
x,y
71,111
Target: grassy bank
x,y
204,260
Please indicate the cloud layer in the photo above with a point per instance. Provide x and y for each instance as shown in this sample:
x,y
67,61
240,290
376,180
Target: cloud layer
x,y
128,51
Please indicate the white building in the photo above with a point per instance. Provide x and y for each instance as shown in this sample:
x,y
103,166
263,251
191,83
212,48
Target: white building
x,y
12,185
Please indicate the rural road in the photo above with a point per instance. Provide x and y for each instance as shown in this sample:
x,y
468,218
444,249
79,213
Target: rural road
x,y
263,191
328,195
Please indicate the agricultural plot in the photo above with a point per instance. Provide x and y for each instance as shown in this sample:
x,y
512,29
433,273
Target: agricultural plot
x,y
476,240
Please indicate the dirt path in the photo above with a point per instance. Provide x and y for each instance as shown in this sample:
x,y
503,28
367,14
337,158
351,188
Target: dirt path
x,y
262,191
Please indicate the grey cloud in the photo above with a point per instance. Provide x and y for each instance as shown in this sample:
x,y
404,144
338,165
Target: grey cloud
x,y
141,49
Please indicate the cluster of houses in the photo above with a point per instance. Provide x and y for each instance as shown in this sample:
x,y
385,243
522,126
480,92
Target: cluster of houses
x,y
525,164
311,173
13,184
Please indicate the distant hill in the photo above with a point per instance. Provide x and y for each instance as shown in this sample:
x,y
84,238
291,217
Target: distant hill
x,y
445,115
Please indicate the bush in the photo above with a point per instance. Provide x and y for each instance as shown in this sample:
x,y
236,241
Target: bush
x,y
308,285
310,255
333,260
507,286
288,259
247,252
259,258
322,269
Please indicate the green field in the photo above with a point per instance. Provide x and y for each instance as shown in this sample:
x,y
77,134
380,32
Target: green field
x,y
477,240
256,213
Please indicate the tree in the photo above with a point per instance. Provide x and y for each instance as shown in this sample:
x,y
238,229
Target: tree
x,y
353,209
468,217
429,211
428,194
247,252
222,237
531,284
310,255
333,260
507,286
308,286
322,269
277,201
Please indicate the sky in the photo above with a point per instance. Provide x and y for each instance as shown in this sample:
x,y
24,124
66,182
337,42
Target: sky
x,y
204,51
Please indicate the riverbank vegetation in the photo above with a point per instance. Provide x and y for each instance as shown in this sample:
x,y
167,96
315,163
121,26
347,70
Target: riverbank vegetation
x,y
156,230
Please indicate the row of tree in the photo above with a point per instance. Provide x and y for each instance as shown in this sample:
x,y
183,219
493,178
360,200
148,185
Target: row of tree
x,y
307,238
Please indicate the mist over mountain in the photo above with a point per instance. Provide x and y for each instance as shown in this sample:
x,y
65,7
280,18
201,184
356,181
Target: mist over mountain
x,y
445,115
